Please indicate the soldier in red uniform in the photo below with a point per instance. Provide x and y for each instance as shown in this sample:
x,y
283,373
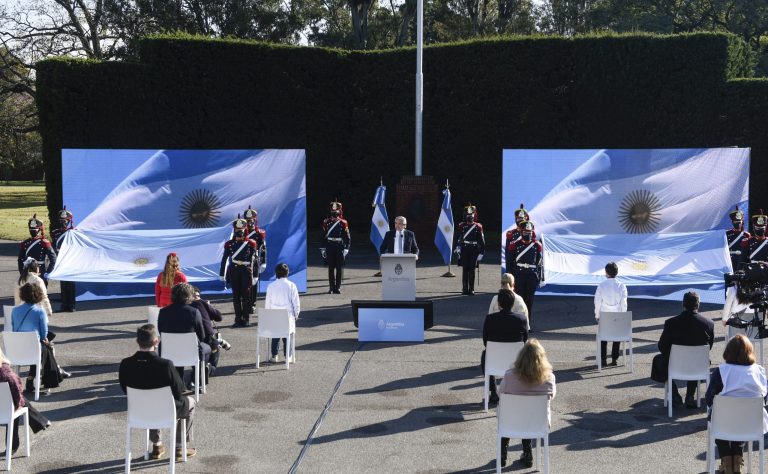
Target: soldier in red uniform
x,y
37,247
755,248
521,215
735,236
66,223
469,248
335,246
526,265
260,237
238,260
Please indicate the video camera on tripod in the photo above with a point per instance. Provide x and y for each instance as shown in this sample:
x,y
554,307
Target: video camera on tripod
x,y
751,282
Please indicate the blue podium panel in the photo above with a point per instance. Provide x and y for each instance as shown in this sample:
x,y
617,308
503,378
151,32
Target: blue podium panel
x,y
391,324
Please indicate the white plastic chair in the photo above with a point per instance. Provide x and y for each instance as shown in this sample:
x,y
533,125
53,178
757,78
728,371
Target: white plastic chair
x,y
8,415
499,357
23,348
182,350
154,409
523,417
732,331
736,419
687,363
152,313
7,318
273,324
615,327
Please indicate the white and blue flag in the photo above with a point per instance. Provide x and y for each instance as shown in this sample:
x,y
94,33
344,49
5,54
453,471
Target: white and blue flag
x,y
379,221
444,231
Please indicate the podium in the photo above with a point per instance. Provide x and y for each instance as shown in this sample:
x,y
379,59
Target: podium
x,y
398,277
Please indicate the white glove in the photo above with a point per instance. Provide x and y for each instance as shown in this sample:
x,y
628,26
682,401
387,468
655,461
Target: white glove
x,y
457,250
262,267
345,252
45,276
221,278
479,257
542,284
322,252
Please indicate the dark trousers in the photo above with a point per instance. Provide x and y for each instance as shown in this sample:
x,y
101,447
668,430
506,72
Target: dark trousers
x,y
526,282
729,448
37,422
491,379
690,389
527,443
67,295
468,265
50,377
241,280
276,346
335,260
154,435
615,350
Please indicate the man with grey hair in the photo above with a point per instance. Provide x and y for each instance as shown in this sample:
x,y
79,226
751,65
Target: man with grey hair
x,y
400,240
180,318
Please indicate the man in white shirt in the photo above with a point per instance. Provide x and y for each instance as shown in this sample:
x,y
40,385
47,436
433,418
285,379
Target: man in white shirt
x,y
611,295
282,294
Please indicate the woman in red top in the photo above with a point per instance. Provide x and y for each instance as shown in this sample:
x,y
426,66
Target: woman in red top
x,y
166,280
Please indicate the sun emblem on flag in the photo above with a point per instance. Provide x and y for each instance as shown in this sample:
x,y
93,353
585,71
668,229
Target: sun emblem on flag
x,y
141,261
380,223
640,265
199,209
447,228
639,212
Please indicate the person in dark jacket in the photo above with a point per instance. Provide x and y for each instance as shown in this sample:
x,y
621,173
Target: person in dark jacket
x,y
209,315
145,370
504,326
180,318
689,328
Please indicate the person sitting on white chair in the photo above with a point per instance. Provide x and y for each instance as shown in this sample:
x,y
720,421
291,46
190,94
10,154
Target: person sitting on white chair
x,y
37,421
145,370
734,306
282,294
610,296
530,375
739,376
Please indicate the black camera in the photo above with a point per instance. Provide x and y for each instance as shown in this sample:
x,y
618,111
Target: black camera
x,y
222,343
751,282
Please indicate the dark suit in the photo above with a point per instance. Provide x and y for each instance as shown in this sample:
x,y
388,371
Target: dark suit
x,y
409,242
181,319
146,371
504,326
688,328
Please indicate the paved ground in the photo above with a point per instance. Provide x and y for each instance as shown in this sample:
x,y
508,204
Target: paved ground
x,y
401,407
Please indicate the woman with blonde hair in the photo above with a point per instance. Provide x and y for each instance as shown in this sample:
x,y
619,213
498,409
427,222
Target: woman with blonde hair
x,y
508,283
30,273
738,376
531,374
167,279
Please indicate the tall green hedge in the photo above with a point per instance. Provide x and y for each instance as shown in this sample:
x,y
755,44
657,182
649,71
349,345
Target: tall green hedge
x,y
353,111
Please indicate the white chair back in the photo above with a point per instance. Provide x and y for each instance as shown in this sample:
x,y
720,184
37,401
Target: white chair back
x,y
499,356
6,404
615,326
152,313
181,349
7,317
151,409
689,362
523,416
274,323
737,419
22,348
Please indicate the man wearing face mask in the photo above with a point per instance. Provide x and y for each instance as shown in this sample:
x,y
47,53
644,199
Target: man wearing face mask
x,y
526,265
755,248
238,260
336,241
37,247
736,236
469,248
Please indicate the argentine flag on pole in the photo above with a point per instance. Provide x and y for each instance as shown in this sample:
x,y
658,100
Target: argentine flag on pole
x,y
444,232
379,221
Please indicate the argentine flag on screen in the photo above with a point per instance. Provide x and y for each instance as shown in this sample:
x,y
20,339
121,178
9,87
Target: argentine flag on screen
x,y
444,232
379,221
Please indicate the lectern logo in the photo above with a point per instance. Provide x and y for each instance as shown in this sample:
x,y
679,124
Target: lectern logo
x,y
381,325
398,269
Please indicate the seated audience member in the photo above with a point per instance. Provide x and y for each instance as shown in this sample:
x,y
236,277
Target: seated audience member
x,y
282,294
508,283
167,279
738,376
30,317
503,326
531,374
209,315
610,296
37,421
688,328
181,318
30,273
734,306
145,370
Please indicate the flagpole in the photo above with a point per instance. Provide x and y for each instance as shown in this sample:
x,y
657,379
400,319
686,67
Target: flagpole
x,y
449,273
381,183
419,82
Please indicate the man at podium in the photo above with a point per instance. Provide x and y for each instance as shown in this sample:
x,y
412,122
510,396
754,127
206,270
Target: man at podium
x,y
400,241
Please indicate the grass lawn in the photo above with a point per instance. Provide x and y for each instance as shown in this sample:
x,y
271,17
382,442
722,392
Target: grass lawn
x,y
18,201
